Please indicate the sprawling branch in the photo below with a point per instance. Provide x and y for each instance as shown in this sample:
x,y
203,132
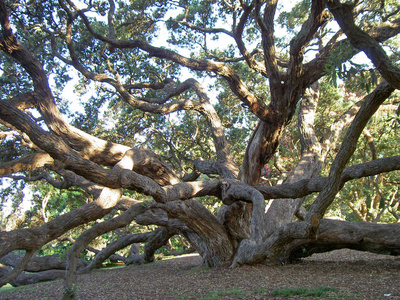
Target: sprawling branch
x,y
362,236
25,278
203,106
81,166
361,40
33,238
114,247
369,107
51,230
307,186
332,235
26,163
12,274
85,238
160,105
314,69
93,148
257,106
39,263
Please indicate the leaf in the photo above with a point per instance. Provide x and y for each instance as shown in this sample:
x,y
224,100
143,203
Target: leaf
x,y
334,78
374,78
368,87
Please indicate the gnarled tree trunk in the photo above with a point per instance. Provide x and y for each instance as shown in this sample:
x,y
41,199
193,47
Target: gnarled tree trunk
x,y
245,230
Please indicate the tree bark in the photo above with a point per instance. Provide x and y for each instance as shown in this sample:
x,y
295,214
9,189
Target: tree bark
x,y
343,14
282,211
31,278
325,198
39,263
112,248
242,232
362,236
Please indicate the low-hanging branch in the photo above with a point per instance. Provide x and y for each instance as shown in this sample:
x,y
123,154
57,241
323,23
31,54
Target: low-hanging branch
x,y
231,225
362,40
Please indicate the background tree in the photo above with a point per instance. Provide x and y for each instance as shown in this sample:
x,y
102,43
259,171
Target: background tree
x,y
216,133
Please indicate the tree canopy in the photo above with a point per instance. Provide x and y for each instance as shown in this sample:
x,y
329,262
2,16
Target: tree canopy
x,y
231,128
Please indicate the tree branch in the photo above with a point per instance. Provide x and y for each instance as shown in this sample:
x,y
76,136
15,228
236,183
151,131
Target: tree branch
x,y
26,163
256,106
318,16
325,198
85,238
266,24
314,69
237,35
363,41
307,186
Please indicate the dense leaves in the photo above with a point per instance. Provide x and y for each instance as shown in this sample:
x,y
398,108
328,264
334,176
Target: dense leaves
x,y
196,124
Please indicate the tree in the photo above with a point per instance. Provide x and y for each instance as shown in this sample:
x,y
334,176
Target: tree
x,y
164,137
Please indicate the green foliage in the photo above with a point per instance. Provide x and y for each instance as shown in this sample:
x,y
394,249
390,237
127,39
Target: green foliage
x,y
292,20
72,291
55,248
232,292
182,137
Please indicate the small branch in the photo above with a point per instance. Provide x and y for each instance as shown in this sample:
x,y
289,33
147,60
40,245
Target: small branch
x,y
110,17
255,65
203,29
370,141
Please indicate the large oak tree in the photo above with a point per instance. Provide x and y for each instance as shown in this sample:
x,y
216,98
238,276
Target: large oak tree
x,y
200,113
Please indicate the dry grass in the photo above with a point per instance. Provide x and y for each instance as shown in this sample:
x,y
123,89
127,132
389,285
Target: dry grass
x,y
343,274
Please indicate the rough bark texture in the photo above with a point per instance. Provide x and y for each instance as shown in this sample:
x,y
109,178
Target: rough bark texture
x,y
308,166
244,231
362,236
38,264
30,278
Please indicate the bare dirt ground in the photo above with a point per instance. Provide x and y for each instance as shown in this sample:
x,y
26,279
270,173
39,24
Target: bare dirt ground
x,y
342,274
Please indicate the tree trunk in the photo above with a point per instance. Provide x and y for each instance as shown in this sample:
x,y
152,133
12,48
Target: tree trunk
x,y
206,234
282,211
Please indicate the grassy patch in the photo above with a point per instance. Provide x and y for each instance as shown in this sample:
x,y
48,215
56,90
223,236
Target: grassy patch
x,y
217,294
176,292
6,288
9,288
320,292
260,291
